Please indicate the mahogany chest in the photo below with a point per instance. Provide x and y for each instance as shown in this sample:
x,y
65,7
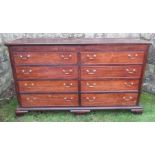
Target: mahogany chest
x,y
78,74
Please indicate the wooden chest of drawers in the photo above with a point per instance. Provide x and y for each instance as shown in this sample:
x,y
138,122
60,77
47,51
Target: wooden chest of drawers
x,y
78,74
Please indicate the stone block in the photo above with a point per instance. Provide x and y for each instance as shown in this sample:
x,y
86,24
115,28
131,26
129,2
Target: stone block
x,y
151,55
147,36
122,35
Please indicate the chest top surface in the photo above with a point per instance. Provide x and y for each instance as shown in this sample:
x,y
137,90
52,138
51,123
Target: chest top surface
x,y
74,41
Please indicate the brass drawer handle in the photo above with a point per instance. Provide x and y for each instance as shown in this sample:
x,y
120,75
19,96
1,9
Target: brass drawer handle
x,y
28,98
68,85
66,57
127,98
67,72
68,99
28,84
26,57
31,99
26,71
131,71
91,56
34,98
129,84
91,85
91,72
132,56
50,96
91,99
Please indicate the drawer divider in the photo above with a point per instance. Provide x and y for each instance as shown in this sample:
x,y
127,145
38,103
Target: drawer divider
x,y
79,75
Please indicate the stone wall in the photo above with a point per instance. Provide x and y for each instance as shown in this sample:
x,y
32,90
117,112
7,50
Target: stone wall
x,y
5,69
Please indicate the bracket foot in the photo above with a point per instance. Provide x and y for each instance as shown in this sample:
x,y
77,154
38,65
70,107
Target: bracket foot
x,y
80,112
20,112
137,111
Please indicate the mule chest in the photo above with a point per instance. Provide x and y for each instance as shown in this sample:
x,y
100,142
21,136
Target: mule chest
x,y
78,75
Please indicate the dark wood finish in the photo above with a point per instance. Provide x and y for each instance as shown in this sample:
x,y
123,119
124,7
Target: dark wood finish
x,y
137,110
46,72
78,75
79,108
20,112
85,48
114,48
70,41
45,58
112,57
101,72
82,109
113,99
47,100
109,85
80,112
48,86
43,48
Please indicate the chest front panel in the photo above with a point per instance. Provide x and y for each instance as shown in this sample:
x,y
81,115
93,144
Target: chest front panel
x,y
78,75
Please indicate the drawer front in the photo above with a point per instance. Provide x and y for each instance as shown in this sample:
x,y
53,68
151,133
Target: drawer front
x,y
112,57
48,86
100,72
45,58
114,99
109,85
44,48
46,72
110,47
47,100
